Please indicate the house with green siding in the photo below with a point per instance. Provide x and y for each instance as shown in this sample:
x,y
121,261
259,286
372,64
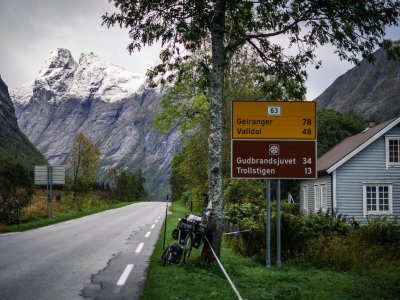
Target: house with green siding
x,y
360,177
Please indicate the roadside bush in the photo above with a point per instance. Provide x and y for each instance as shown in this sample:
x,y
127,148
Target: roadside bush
x,y
342,253
320,239
324,224
296,230
247,216
36,209
382,231
82,201
16,188
360,248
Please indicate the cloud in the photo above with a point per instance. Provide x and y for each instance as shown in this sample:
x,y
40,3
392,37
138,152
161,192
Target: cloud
x,y
31,30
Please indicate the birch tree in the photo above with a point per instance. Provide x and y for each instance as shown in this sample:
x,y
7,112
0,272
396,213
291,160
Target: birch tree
x,y
284,33
85,159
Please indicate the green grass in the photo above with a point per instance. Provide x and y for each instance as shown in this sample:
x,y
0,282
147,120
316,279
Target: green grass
x,y
199,280
62,217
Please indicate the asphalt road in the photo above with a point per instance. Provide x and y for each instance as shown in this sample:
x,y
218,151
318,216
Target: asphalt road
x,y
101,256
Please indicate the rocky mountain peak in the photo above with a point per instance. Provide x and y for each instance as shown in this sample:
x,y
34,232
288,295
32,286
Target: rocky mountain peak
x,y
58,61
91,58
63,78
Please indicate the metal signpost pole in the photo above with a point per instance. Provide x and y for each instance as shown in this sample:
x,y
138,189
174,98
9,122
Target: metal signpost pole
x,y
48,192
268,221
278,224
18,213
51,190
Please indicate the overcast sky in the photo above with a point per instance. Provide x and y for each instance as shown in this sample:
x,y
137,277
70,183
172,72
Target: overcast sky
x,y
31,29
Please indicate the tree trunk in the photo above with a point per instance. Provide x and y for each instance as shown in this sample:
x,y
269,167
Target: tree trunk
x,y
217,116
76,171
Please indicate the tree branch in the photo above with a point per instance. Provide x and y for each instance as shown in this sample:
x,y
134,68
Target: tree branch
x,y
247,38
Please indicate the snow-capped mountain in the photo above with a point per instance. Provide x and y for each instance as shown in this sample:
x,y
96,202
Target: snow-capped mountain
x,y
109,104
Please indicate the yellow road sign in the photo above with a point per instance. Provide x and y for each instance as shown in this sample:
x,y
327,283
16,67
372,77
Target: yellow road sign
x,y
273,120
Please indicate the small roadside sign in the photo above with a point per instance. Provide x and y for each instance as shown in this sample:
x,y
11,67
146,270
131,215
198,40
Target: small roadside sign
x,y
262,159
273,120
49,176
46,174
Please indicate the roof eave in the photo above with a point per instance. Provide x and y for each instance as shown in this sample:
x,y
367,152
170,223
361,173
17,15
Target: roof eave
x,y
363,145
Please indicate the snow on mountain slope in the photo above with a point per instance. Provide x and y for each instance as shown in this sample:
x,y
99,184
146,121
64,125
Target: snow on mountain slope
x,y
109,104
22,94
62,78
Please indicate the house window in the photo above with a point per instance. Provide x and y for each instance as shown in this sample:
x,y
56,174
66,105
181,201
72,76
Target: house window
x,y
317,198
393,151
377,198
322,197
305,199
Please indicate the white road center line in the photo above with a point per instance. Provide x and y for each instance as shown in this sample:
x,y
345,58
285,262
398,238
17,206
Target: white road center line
x,y
156,221
139,248
152,226
147,234
125,274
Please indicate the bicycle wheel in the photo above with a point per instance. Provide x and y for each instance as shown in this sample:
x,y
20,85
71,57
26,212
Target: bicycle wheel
x,y
166,257
188,248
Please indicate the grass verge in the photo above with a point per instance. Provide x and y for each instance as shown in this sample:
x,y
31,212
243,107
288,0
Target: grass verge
x,y
62,217
199,280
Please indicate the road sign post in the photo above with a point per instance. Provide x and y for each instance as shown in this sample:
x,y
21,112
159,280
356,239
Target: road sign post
x,y
268,225
49,175
273,140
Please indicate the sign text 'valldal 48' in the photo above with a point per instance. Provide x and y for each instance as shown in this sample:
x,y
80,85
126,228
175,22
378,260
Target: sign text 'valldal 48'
x,y
273,120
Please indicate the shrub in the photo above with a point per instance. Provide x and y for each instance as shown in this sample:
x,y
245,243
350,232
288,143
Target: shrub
x,y
16,188
343,253
324,240
247,216
381,231
359,248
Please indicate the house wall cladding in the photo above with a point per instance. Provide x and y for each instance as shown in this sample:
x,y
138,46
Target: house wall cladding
x,y
369,165
311,195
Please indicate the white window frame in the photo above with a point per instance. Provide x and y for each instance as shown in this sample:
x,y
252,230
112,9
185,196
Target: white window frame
x,y
320,198
317,199
388,163
323,198
305,198
378,184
